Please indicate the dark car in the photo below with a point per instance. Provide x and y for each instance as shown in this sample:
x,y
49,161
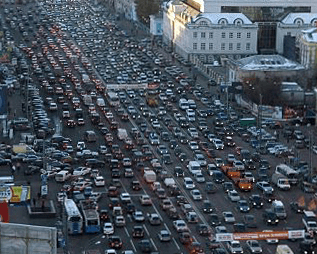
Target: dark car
x,y
104,215
185,238
227,186
145,246
178,171
135,185
138,232
306,247
256,201
203,229
207,207
297,207
249,221
270,217
115,242
239,228
214,220
210,187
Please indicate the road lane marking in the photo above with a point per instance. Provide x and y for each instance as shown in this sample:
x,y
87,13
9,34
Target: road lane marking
x,y
153,244
126,231
146,230
176,243
133,245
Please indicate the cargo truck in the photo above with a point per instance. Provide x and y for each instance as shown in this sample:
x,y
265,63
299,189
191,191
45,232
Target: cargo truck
x,y
280,181
149,176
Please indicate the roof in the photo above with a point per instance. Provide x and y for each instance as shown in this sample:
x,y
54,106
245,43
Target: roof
x,y
230,17
268,62
307,18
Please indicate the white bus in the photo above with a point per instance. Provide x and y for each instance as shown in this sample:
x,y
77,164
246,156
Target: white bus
x,y
74,217
113,99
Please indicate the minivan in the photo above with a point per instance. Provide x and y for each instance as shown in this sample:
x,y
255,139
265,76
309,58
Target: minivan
x,y
279,209
62,176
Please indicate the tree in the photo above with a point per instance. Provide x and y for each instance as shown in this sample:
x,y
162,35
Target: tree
x,y
145,8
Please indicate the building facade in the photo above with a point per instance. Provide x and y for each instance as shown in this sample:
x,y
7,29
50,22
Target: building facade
x,y
307,44
208,35
270,18
127,8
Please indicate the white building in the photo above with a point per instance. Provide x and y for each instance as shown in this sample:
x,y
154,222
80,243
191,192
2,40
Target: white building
x,y
208,35
270,19
292,25
307,44
156,23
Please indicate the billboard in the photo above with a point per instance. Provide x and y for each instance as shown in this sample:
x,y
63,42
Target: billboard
x,y
15,194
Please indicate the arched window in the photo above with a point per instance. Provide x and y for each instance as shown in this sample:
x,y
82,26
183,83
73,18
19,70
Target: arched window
x,y
238,22
314,22
223,22
298,22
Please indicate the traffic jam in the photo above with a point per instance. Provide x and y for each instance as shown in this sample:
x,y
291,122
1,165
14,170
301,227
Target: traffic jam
x,y
141,155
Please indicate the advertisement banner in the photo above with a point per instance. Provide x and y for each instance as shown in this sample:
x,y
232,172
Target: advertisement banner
x,y
20,194
261,235
225,237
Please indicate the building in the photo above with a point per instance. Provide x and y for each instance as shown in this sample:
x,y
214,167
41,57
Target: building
x,y
156,22
208,35
264,67
292,25
307,44
268,18
292,94
127,8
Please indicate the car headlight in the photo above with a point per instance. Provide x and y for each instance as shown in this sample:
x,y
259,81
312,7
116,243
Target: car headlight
x,y
276,220
261,203
254,203
268,220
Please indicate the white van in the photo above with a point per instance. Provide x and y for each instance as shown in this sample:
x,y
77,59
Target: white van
x,y
183,104
194,167
62,176
290,173
90,136
279,209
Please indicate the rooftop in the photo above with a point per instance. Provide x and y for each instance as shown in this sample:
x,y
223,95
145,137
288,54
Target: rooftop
x,y
307,18
268,62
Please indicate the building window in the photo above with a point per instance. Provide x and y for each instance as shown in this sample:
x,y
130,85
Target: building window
x,y
203,35
238,46
230,35
194,34
223,46
211,35
289,33
194,46
239,35
248,46
248,35
223,35
203,46
230,46
203,23
211,46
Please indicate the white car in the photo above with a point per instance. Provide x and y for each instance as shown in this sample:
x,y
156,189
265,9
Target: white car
x,y
108,228
265,187
125,197
81,171
180,226
99,181
110,251
189,183
196,194
193,145
218,144
233,196
138,216
145,200
238,165
254,246
234,247
199,177
231,158
228,217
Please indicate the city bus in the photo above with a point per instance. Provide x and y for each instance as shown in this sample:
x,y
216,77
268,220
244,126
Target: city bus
x,y
73,217
91,221
113,99
152,94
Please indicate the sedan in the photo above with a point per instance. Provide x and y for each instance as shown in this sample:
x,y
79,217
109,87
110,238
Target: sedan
x,y
243,206
164,236
233,196
145,246
265,187
228,217
138,216
253,246
108,228
115,242
196,194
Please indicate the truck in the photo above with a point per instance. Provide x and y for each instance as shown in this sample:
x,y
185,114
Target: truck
x,y
310,221
280,181
247,122
122,134
283,249
149,176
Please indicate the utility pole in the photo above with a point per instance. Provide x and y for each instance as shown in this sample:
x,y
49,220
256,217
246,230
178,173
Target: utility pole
x,y
260,119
